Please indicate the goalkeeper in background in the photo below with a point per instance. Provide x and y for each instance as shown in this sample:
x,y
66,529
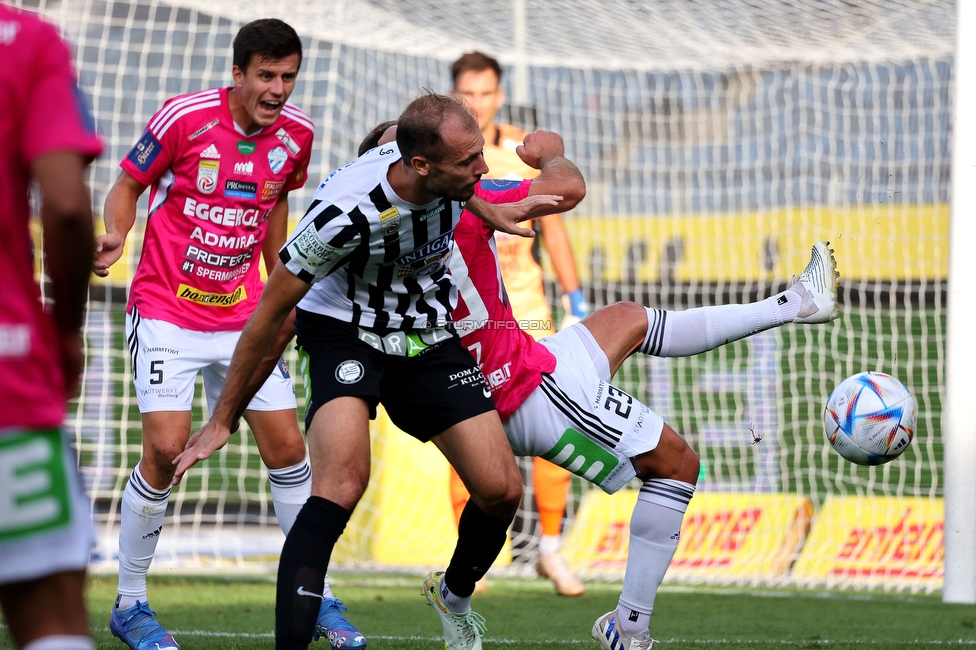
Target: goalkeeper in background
x,y
477,78
45,524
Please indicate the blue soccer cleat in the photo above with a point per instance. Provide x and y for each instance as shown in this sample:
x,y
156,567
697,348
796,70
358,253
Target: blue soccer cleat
x,y
137,628
332,625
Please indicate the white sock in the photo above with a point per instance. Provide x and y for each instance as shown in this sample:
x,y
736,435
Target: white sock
x,y
655,528
452,601
693,331
61,642
143,509
549,544
290,489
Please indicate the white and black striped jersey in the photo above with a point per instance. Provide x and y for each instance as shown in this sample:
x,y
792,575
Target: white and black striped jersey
x,y
373,259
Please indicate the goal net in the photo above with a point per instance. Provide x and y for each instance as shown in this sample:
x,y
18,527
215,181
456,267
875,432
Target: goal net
x,y
719,139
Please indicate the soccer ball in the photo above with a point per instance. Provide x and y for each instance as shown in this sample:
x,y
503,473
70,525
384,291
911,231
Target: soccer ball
x,y
870,418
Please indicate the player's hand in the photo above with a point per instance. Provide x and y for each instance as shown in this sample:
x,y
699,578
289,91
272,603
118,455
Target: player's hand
x,y
200,446
108,250
539,146
505,217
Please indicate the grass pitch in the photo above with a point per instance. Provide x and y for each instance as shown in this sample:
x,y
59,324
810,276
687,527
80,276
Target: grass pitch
x,y
211,614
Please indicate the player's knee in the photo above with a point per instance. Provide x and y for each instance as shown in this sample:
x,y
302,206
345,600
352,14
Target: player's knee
x,y
287,451
158,458
502,499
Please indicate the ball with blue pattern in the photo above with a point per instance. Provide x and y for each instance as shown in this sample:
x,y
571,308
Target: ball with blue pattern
x,y
870,418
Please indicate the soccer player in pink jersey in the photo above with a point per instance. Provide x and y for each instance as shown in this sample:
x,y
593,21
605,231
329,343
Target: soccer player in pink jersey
x,y
220,163
45,524
555,399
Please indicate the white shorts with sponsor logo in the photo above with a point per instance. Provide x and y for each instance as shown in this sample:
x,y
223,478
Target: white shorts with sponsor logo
x,y
45,517
166,359
581,422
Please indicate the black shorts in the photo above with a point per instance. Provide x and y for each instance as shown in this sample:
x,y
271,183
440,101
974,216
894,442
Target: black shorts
x,y
426,381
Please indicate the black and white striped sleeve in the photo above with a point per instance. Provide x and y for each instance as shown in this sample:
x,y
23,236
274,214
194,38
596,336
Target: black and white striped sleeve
x,y
322,242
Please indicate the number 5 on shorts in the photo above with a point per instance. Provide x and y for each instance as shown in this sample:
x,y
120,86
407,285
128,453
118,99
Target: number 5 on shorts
x,y
35,484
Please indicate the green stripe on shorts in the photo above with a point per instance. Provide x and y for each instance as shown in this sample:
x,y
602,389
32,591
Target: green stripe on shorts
x,y
34,494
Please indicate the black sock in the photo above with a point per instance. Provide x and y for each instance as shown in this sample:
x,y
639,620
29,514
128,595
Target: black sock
x,y
480,540
301,570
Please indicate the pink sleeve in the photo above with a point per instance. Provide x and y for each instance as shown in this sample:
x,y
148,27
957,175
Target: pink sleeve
x,y
502,191
152,155
55,117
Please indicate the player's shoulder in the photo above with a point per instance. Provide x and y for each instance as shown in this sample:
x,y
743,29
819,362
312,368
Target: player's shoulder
x,y
509,136
297,120
188,111
347,186
28,35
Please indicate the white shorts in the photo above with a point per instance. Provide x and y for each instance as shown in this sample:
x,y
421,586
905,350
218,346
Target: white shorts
x,y
579,421
166,359
45,517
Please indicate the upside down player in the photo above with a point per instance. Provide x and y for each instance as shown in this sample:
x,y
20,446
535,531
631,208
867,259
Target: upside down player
x,y
367,267
555,399
477,79
221,163
45,529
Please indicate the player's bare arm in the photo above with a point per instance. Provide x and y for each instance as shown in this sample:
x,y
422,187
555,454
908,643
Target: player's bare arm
x,y
68,245
273,241
120,215
278,300
560,252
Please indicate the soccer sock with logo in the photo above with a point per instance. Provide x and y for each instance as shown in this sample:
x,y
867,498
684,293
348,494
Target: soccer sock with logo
x,y
290,489
143,509
655,529
480,540
693,331
301,571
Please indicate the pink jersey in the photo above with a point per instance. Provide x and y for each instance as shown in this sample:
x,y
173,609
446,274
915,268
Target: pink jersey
x,y
511,360
43,113
212,190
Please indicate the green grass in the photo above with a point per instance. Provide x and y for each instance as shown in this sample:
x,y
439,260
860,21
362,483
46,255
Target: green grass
x,y
207,613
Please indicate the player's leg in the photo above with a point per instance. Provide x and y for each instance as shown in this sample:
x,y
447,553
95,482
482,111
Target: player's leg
x,y
338,440
478,450
579,421
144,501
551,485
624,328
45,541
165,362
669,472
48,613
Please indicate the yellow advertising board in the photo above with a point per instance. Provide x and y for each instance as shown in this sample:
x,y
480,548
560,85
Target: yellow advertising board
x,y
891,241
723,536
871,541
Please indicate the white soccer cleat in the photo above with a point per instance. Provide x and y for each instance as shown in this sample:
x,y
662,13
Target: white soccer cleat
x,y
461,631
607,632
554,567
819,283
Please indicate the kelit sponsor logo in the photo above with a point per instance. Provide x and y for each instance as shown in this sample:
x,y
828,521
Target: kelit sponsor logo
x,y
194,295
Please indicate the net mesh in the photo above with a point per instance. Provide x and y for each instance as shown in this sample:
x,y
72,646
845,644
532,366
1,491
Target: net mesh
x,y
718,138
